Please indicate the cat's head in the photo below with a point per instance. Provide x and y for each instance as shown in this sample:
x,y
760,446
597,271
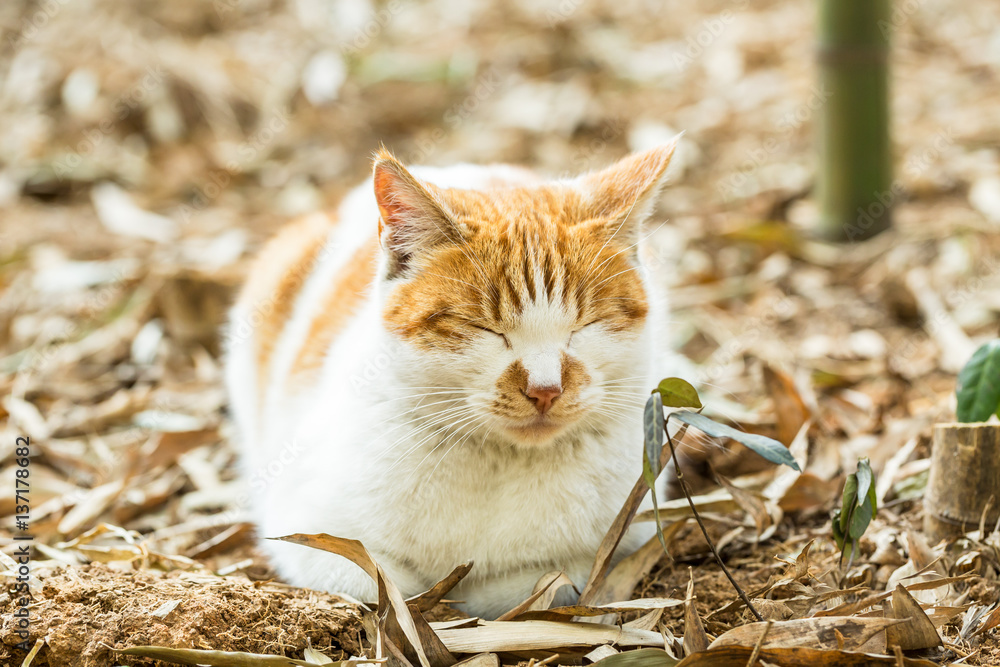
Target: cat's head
x,y
526,301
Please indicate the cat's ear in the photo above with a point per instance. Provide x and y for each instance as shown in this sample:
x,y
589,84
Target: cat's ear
x,y
622,196
412,217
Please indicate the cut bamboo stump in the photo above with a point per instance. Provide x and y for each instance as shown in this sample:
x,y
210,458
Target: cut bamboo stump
x,y
964,480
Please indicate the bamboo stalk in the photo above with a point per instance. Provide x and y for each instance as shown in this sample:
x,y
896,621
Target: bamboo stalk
x,y
963,490
855,189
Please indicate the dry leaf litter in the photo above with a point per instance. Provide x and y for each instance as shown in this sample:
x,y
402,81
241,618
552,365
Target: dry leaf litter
x,y
148,148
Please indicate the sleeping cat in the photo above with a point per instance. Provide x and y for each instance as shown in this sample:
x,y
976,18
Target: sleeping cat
x,y
452,367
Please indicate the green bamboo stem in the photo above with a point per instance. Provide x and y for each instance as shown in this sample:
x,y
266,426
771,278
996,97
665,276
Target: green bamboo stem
x,y
854,190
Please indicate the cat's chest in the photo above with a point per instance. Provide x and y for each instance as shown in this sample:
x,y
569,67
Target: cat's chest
x,y
485,504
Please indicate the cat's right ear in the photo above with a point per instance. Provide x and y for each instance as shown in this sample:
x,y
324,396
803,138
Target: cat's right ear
x,y
412,217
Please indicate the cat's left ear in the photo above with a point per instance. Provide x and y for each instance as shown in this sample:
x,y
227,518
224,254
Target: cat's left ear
x,y
412,216
623,195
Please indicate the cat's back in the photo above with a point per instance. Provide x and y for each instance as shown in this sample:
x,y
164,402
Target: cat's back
x,y
308,284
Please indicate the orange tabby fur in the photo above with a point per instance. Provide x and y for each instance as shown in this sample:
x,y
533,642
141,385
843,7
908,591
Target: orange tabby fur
x,y
453,371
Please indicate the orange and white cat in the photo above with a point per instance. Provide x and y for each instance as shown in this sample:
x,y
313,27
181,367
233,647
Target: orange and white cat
x,y
450,368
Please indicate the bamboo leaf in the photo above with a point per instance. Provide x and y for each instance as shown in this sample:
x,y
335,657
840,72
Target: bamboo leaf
x,y
849,501
861,517
355,551
917,631
838,533
187,656
645,657
865,477
770,449
678,393
978,389
795,656
570,611
493,636
653,429
652,425
829,632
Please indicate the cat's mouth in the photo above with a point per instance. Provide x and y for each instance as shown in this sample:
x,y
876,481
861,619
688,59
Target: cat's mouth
x,y
535,431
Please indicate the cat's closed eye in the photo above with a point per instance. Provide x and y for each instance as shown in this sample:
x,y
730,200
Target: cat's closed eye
x,y
581,327
506,342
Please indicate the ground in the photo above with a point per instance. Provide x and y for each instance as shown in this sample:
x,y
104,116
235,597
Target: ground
x,y
148,149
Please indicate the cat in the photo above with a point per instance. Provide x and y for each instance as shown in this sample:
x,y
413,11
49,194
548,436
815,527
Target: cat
x,y
450,368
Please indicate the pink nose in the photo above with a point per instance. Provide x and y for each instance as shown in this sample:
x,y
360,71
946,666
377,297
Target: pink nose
x,y
543,397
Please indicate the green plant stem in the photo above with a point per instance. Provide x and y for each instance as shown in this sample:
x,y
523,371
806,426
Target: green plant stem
x,y
704,531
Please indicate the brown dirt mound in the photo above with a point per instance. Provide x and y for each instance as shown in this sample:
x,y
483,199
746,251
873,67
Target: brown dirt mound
x,y
85,611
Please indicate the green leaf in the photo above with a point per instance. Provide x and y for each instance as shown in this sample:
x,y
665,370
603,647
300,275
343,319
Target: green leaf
x,y
849,501
188,656
678,393
838,533
858,506
644,657
865,477
978,389
770,449
652,427
872,496
860,519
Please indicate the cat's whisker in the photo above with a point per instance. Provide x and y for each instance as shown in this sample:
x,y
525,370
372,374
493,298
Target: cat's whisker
x,y
618,380
479,289
449,423
422,406
428,420
628,270
642,240
491,247
614,417
420,395
617,229
457,444
633,391
453,425
622,402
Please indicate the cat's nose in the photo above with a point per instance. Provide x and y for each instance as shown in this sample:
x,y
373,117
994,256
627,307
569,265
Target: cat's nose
x,y
543,397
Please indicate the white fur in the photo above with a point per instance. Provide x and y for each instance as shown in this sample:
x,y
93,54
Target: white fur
x,y
356,456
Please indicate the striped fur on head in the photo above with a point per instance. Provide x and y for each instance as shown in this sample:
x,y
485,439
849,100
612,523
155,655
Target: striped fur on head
x,y
529,295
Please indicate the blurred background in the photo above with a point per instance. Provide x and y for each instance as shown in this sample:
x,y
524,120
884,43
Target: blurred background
x,y
147,148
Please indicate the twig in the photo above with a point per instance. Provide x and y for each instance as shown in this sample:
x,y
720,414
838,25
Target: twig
x,y
759,645
704,531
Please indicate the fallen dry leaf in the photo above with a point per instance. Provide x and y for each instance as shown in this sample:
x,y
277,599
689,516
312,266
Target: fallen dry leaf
x,y
831,632
917,631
